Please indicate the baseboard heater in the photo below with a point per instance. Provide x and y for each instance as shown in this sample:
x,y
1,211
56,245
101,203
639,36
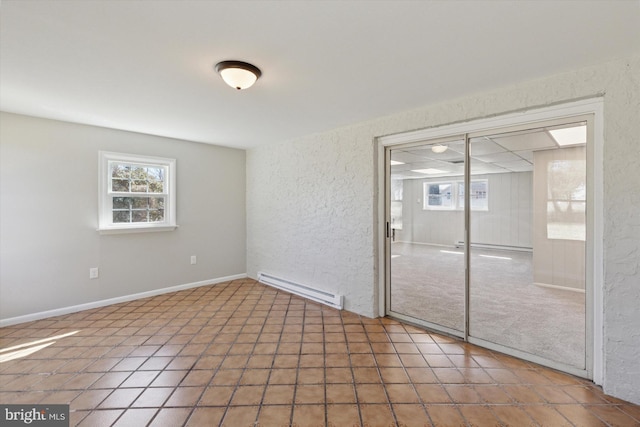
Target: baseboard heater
x,y
460,244
305,291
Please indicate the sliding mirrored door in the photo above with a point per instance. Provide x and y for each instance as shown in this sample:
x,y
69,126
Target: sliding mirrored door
x,y
528,233
426,227
492,246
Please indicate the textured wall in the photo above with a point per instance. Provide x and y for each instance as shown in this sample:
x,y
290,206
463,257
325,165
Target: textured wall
x,y
307,218
312,202
622,231
49,216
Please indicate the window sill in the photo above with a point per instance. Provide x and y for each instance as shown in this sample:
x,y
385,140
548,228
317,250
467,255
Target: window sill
x,y
127,230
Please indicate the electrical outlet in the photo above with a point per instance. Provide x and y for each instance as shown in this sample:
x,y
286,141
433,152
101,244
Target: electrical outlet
x,y
194,260
93,273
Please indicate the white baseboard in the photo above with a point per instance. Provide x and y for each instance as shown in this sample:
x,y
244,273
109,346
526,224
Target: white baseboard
x,y
125,298
562,288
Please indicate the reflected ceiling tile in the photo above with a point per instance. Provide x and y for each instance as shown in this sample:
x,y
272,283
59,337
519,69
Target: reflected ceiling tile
x,y
575,135
530,141
517,166
527,155
497,157
405,157
483,146
482,168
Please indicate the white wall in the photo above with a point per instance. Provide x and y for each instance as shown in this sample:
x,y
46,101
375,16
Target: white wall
x,y
507,222
557,262
48,217
312,202
310,214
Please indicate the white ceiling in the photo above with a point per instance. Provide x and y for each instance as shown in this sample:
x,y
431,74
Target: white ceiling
x,y
147,66
500,153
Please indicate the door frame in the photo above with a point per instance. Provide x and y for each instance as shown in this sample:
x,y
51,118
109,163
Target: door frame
x,y
594,245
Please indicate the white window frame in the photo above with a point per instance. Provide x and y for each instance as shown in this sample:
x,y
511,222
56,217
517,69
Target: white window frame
x,y
456,205
105,194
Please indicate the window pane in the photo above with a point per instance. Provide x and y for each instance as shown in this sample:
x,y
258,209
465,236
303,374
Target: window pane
x,y
479,200
156,202
156,187
140,202
120,171
155,174
156,215
439,195
120,185
121,202
479,195
566,207
138,172
139,186
121,216
140,216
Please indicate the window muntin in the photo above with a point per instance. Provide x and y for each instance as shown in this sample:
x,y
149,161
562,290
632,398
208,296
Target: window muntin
x,y
450,195
136,192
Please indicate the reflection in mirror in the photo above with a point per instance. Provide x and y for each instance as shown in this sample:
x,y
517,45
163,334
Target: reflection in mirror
x,y
427,269
527,268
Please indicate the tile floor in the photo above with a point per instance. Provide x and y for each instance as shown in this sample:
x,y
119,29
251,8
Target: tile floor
x,y
242,354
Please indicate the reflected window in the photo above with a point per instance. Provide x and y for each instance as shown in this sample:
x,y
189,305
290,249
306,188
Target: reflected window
x,y
566,199
438,195
479,195
450,195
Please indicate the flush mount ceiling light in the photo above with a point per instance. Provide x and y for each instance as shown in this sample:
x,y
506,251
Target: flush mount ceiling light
x,y
237,74
439,148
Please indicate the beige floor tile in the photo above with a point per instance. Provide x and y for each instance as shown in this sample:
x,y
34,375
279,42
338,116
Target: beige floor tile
x,y
445,415
170,417
377,415
371,393
477,415
274,416
248,395
135,417
411,415
101,418
340,393
239,353
278,394
310,394
546,416
204,416
309,416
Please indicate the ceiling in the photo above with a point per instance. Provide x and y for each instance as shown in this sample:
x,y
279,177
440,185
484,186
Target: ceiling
x,y
147,66
499,153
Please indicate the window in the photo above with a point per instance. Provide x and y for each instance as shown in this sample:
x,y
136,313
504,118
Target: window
x,y
479,195
137,193
450,195
438,195
567,199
